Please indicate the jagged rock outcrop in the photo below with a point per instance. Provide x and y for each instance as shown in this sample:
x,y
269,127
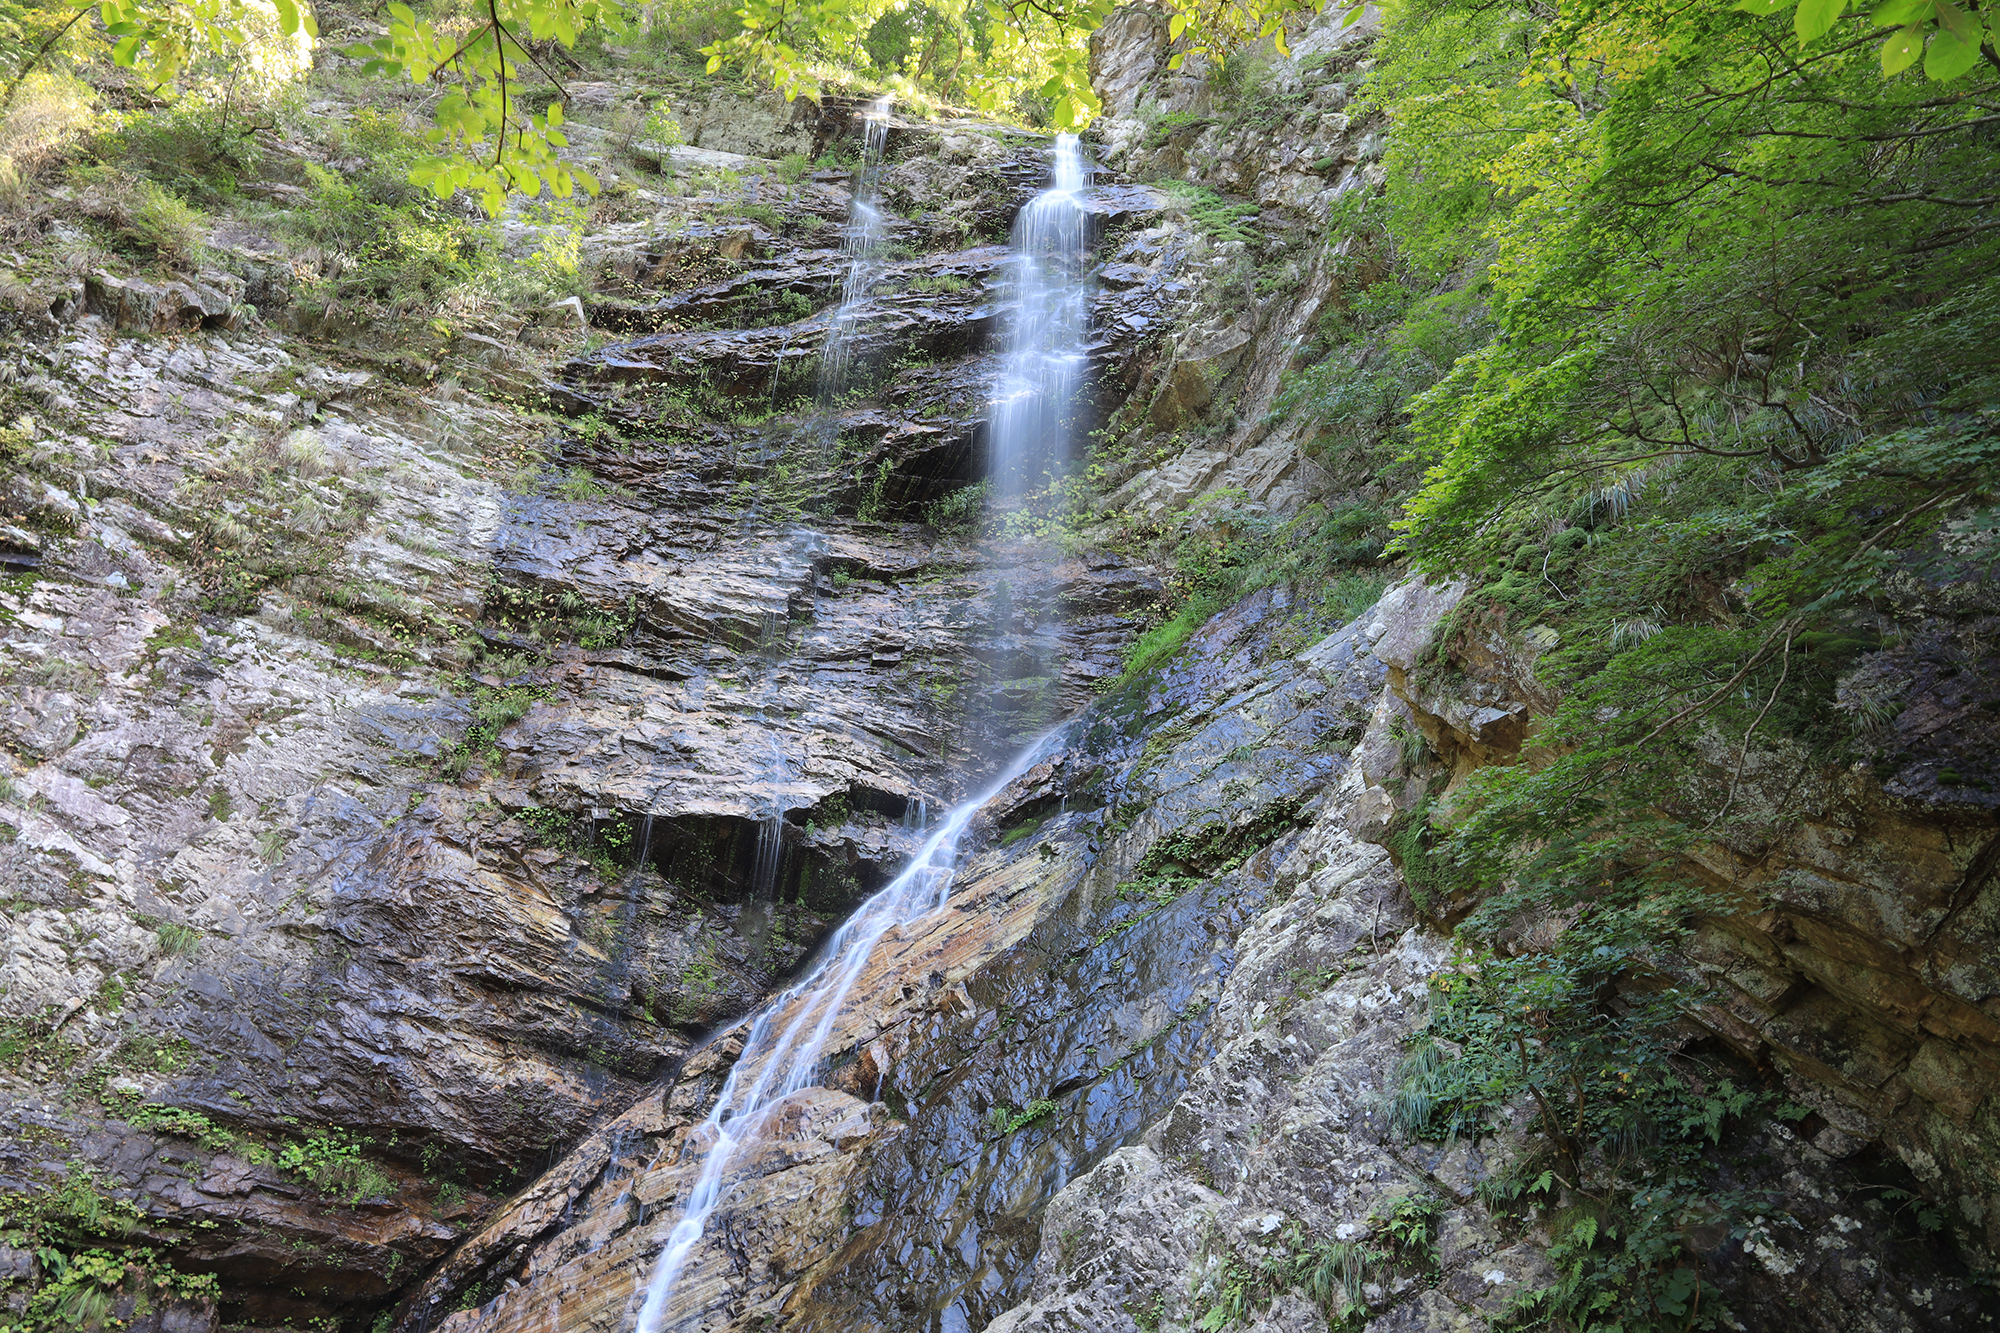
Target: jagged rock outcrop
x,y
1865,974
391,763
1071,975
1281,1144
1268,164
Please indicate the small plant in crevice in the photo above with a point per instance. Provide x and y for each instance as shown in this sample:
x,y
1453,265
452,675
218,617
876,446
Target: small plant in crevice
x,y
1006,1119
1333,1273
493,710
332,1161
79,1232
959,513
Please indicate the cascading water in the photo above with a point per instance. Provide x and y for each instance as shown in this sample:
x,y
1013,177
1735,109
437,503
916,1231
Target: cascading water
x,y
1048,312
782,1053
861,247
1045,361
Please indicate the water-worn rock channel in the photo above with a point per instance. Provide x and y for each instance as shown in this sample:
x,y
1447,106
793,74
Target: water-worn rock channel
x,y
466,854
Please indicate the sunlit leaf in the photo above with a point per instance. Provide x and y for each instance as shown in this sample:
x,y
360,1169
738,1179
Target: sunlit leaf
x,y
1814,17
1902,49
1899,13
1948,57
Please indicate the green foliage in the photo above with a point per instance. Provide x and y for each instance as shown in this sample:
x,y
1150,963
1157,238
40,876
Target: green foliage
x,y
1372,353
959,513
184,1123
558,829
1626,1120
1228,550
165,225
562,614
662,128
1949,40
1699,380
1219,218
494,708
1643,306
81,1288
1332,1273
1006,1119
177,940
939,283
397,250
76,1232
491,138
1412,839
1167,124
332,1161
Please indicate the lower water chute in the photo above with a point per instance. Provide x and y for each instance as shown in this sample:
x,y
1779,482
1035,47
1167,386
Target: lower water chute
x,y
786,1044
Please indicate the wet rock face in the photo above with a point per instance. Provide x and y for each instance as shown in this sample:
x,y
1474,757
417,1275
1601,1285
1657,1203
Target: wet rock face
x,y
1036,1024
1144,1055
734,316
1279,1144
384,767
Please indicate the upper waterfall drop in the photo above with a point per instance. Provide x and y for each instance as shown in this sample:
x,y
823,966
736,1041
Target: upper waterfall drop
x,y
1048,315
860,246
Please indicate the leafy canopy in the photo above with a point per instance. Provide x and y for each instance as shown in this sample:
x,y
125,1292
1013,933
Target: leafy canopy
x,y
1706,411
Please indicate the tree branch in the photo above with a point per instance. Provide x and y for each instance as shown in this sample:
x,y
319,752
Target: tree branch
x,y
13,85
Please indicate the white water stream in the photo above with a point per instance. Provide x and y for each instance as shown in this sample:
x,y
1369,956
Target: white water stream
x,y
861,246
1048,312
777,1062
784,1050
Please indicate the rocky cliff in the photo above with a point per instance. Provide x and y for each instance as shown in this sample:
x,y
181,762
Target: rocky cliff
x,y
422,761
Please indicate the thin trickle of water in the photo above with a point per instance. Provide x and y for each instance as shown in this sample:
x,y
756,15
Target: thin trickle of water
x,y
645,851
771,827
1047,314
782,1053
861,246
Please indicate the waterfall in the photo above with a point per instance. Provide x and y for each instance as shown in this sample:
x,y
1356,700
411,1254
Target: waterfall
x,y
1048,311
783,1051
777,1063
860,246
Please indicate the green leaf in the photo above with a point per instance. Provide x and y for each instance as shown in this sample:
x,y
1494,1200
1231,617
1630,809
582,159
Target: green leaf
x,y
1765,6
1949,57
1176,26
1814,17
288,16
1900,13
1955,21
1902,49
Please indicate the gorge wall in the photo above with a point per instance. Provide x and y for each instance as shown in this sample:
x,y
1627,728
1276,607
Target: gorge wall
x,y
393,727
